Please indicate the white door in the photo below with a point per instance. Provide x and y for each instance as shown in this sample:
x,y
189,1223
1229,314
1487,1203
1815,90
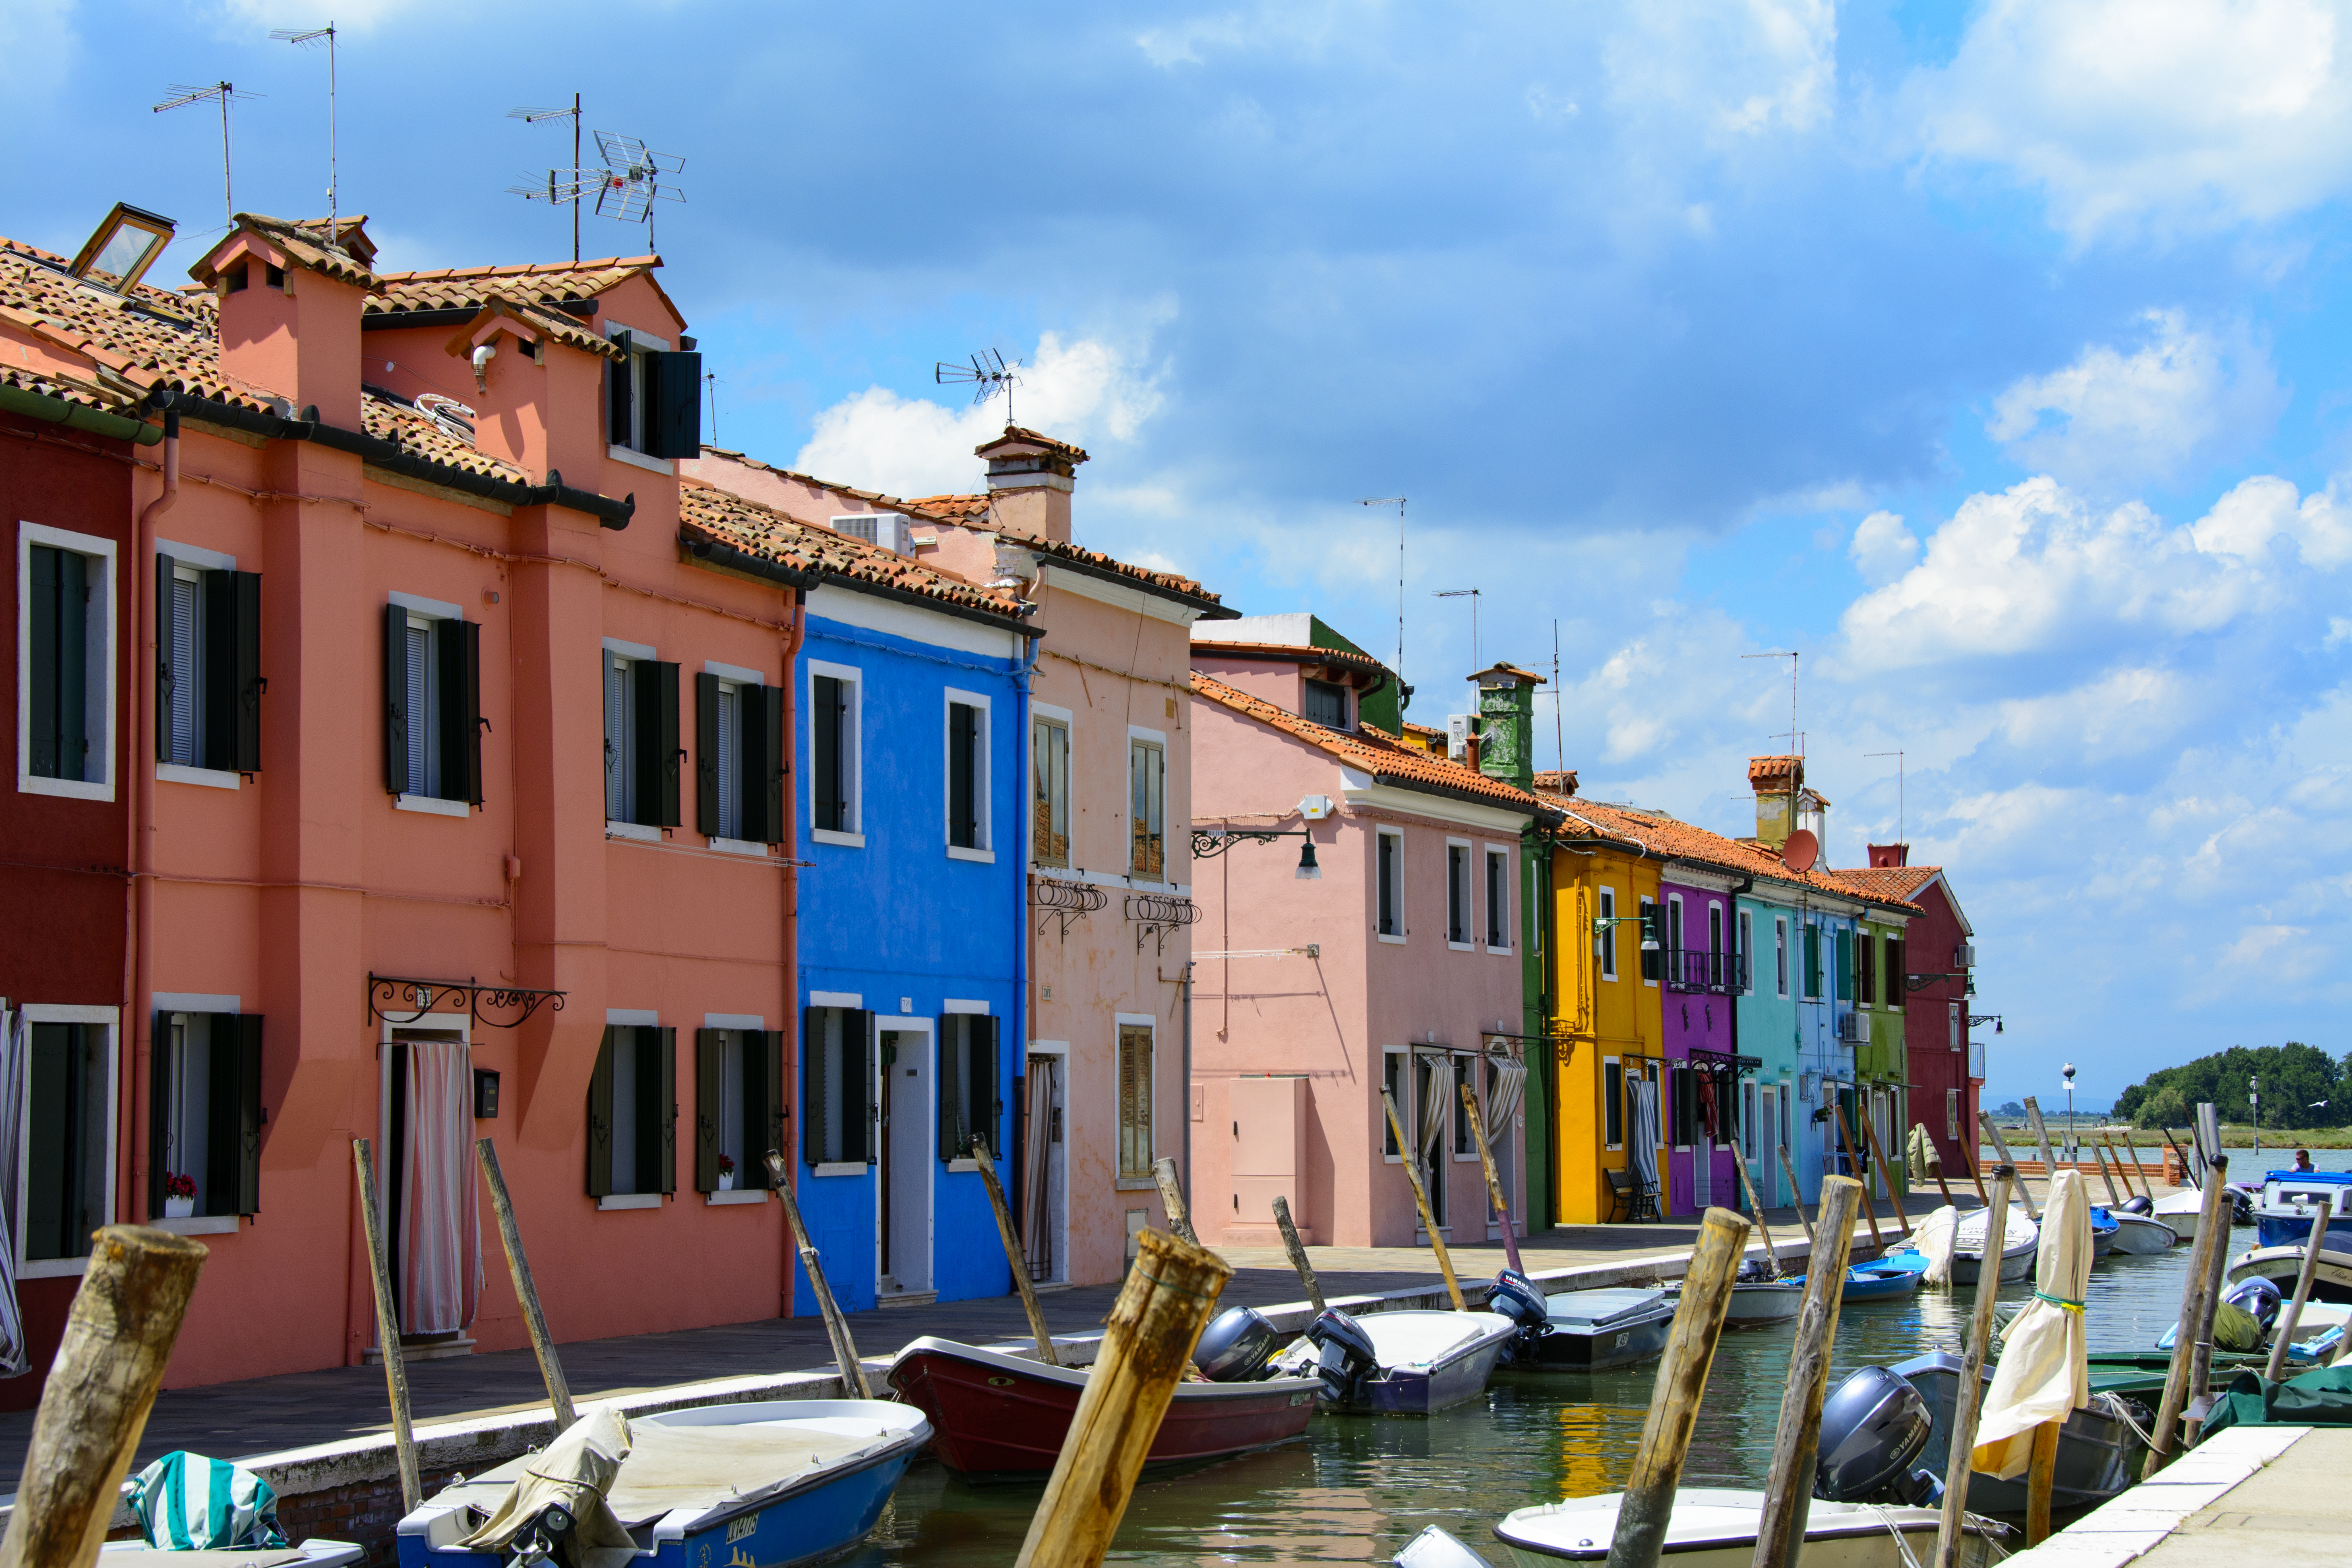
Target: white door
x,y
906,1102
1045,1179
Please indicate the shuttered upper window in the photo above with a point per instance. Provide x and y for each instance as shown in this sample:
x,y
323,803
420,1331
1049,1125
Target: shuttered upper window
x,y
208,681
1391,873
1135,1131
836,1086
641,749
1649,911
69,1127
1049,792
633,1113
205,1110
653,397
1147,778
1457,895
968,824
1498,901
835,770
739,745
433,703
739,1106
65,679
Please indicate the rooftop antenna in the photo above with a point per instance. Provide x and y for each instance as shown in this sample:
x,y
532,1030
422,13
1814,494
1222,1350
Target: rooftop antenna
x,y
1471,595
987,374
1558,722
631,182
1898,790
301,39
711,379
1796,738
564,186
1398,503
223,91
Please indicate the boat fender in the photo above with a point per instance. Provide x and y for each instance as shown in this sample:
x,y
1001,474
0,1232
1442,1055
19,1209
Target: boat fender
x,y
1433,1548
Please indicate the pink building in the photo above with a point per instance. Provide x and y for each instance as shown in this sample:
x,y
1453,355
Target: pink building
x,y
1396,964
1101,1082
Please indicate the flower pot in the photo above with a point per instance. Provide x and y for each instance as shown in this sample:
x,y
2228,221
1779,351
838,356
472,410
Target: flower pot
x,y
179,1208
726,1181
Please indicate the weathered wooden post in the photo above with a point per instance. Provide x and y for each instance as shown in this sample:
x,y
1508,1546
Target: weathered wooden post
x,y
1755,1207
1297,1251
1171,1198
542,1344
2024,1195
1853,1153
1421,1196
1970,1399
1893,1188
2213,1236
1796,1194
1936,1168
1494,1181
1796,1447
1648,1504
119,1335
387,1329
1147,1341
2200,1356
836,1327
2134,1170
2099,1157
2041,1482
2303,1275
1013,1253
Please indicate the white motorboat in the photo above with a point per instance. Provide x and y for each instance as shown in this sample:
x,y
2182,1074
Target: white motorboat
x,y
1715,1527
1755,1302
2331,1281
314,1553
2019,1241
2138,1233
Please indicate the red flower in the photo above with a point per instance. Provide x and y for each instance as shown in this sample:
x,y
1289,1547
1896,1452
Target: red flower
x,y
176,1185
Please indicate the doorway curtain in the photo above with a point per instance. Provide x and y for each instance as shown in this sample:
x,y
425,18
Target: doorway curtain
x,y
440,1233
15,1041
1036,1161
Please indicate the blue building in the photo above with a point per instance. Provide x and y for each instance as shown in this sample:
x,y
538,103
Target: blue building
x,y
911,696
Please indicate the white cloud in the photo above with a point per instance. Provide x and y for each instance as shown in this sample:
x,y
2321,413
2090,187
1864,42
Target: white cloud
x,y
1883,548
2122,713
1739,70
1085,390
2113,416
2165,113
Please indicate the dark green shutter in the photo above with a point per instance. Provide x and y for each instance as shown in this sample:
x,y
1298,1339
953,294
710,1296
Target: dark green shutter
x,y
233,707
397,717
771,753
458,645
710,1092
768,1106
858,1138
987,1106
159,1113
825,708
1844,958
246,1122
657,751
951,1067
706,756
674,405
963,760
165,675
600,1118
217,1184
814,1051
617,377
666,1106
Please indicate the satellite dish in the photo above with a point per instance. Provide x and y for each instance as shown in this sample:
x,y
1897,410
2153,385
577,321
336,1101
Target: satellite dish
x,y
1801,850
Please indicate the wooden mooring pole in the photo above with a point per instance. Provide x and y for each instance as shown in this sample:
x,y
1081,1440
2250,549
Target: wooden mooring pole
x,y
2303,1275
1014,1255
1893,1187
1171,1198
2024,1195
1756,1207
387,1329
1298,1250
1936,1168
836,1327
1968,1402
542,1344
1796,1194
1421,1196
2213,1236
1869,1208
1494,1181
1796,1447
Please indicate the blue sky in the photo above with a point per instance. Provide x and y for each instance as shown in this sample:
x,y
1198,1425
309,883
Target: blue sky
x,y
1992,357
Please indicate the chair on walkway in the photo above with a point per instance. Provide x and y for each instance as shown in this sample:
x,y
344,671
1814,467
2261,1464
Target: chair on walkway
x,y
1630,1199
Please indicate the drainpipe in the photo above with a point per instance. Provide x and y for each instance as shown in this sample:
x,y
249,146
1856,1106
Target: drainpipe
x,y
794,640
1022,677
139,767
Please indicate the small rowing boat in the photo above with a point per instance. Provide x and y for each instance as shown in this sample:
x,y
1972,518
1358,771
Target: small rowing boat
x,y
1887,1279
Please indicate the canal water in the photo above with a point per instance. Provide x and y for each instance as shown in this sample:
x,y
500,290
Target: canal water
x,y
1356,1490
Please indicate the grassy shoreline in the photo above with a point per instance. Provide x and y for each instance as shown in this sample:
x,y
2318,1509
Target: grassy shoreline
x,y
2234,1136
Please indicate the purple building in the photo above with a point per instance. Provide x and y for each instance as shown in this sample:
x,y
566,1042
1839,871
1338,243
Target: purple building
x,y
1701,971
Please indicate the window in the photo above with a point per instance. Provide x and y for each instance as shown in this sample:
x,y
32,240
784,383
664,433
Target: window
x,y
1457,894
1498,900
1465,1147
738,1105
207,667
1147,781
1714,933
68,1121
970,1104
835,693
1867,968
1951,1113
1812,962
1326,703
1747,1150
432,702
837,1078
1954,1017
1049,793
1135,1130
1844,958
1673,923
967,818
1604,941
1686,1103
1896,989
653,397
633,1113
65,667
1786,1140
1612,1102
641,750
205,1110
1396,1076
1746,955
739,756
1391,885
1780,956
1648,929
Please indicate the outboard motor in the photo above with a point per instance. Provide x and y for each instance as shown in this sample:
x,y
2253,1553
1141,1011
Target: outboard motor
x,y
1873,1425
1518,1298
1235,1345
545,1536
1344,1357
2136,1204
2258,1296
1755,1270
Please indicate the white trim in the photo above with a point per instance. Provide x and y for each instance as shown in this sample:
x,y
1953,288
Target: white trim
x,y
637,459
1470,910
630,1201
1604,904
734,1021
827,836
1689,875
630,649
734,672
1396,894
431,609
196,555
1135,601
1486,852
1110,879
984,857
966,1166
840,1168
853,748
962,1004
67,1012
100,689
736,1196
1138,733
201,1225
895,617
631,1018
736,846
1619,1062
1378,796
193,1002
984,771
211,778
1645,902
432,805
849,999
1047,711
638,337
643,833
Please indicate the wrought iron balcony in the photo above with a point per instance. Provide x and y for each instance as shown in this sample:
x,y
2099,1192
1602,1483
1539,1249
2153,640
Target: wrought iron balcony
x,y
1720,972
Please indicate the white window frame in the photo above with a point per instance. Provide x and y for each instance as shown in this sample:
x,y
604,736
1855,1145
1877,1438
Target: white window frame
x,y
1780,956
99,697
65,1013
1396,893
195,561
1743,942
1604,941
1471,912
853,748
982,777
1046,713
1643,904
1404,1110
1606,1063
1508,882
1136,735
420,609
1958,1043
1677,1073
636,654
1120,1182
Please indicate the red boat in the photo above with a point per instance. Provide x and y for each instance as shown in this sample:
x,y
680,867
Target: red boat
x,y
998,1415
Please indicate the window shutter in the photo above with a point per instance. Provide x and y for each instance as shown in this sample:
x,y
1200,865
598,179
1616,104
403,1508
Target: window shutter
x,y
814,1048
767,1108
963,826
706,757
987,1105
217,1183
951,1066
764,755
234,710
397,717
458,645
665,1109
674,405
245,1121
709,1094
857,1078
164,674
618,374
600,1119
658,745
159,1110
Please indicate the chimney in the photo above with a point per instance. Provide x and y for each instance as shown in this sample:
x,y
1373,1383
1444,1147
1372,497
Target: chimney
x,y
1030,478
1775,781
1506,714
1886,855
290,310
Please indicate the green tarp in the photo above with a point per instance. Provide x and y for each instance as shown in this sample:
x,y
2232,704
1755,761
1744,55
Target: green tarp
x,y
2321,1398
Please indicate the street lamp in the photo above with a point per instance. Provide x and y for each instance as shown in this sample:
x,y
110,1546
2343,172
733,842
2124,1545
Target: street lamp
x,y
2073,1150
2254,1103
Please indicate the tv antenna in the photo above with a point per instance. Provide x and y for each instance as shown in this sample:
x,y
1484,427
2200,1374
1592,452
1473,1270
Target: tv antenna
x,y
1898,789
1796,737
564,186
1398,503
987,374
1559,719
1471,595
222,92
631,181
303,39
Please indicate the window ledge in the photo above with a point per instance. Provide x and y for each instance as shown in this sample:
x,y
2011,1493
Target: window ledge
x,y
984,857
211,778
1136,1184
1460,946
636,830
1393,941
1504,952
432,805
827,836
54,1269
843,1168
970,1167
629,1201
200,1224
739,846
637,459
737,1195
71,789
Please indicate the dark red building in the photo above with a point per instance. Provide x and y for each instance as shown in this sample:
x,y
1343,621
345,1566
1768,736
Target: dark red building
x,y
1945,1068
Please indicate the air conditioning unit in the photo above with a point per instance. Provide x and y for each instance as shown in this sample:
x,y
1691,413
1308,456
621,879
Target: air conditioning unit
x,y
1850,1029
887,529
1459,728
1964,956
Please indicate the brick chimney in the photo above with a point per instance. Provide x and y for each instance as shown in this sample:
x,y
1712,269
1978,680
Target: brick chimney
x,y
1775,781
290,310
1886,855
1030,478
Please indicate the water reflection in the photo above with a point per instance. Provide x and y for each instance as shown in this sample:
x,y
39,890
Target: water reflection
x,y
1355,1491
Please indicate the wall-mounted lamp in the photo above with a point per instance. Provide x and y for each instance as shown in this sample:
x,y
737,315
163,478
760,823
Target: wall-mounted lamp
x,y
1210,842
1647,920
1308,872
1993,1018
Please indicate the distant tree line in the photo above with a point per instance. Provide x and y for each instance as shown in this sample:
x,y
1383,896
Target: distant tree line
x,y
2301,1086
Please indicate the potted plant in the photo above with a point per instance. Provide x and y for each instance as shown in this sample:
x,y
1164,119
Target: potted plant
x,y
726,1172
179,1195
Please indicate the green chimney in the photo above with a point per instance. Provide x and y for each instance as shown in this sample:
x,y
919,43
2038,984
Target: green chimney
x,y
1507,723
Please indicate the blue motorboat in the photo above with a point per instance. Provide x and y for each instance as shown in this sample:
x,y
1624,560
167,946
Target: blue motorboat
x,y
1882,1279
2290,1201
761,1485
2104,1226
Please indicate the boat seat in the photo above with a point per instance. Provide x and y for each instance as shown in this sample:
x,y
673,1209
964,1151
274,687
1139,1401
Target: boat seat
x,y
1630,1199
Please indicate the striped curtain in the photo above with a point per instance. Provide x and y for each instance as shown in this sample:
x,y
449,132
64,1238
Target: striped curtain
x,y
1037,1169
1436,1107
15,1040
1503,1100
440,1237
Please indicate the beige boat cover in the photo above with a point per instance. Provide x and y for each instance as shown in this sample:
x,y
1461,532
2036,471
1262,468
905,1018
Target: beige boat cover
x,y
703,1466
1932,1241
2045,1371
577,1471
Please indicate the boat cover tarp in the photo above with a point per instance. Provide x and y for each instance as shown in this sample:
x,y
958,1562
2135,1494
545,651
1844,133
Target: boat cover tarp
x,y
2321,1398
2045,1371
576,1471
1932,1241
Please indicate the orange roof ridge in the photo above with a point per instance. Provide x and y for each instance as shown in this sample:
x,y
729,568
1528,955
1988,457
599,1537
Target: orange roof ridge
x,y
1373,751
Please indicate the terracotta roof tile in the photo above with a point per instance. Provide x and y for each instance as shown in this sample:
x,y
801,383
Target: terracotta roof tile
x,y
954,509
149,337
551,324
1374,752
534,283
1297,653
1898,882
723,516
306,245
390,419
1669,836
1015,433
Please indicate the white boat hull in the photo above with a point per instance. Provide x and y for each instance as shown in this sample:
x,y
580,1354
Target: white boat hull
x,y
1715,1527
2140,1236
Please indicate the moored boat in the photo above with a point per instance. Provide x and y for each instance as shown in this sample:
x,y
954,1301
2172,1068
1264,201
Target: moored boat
x,y
2103,1233
2021,1239
1755,1302
1400,1363
2331,1281
1886,1279
2138,1232
1715,1527
315,1552
2096,1446
1583,1330
2289,1202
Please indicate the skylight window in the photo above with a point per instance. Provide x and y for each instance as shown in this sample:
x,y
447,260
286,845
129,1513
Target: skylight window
x,y
122,247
